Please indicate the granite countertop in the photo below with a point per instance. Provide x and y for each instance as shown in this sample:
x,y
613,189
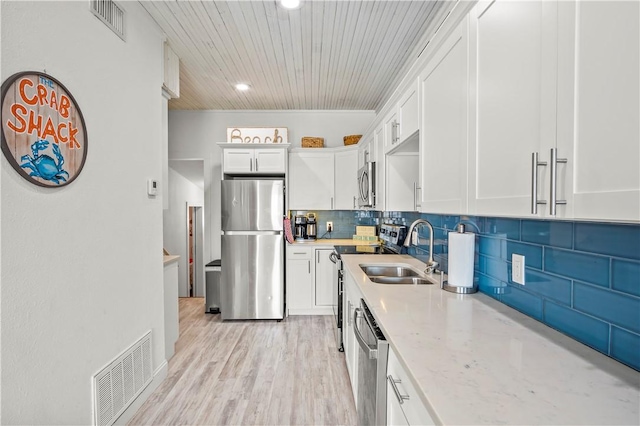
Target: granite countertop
x,y
335,242
477,361
168,260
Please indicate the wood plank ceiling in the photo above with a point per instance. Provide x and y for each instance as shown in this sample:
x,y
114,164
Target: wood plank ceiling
x,y
326,55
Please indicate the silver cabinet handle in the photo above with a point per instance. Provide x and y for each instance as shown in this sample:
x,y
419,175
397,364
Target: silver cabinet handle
x,y
401,397
318,256
349,312
309,263
416,188
394,131
534,182
299,252
370,350
554,181
250,165
256,164
354,202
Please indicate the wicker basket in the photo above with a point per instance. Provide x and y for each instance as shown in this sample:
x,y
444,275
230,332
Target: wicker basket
x,y
311,142
352,139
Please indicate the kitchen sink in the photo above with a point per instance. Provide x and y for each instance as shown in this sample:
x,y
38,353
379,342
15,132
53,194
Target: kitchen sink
x,y
394,274
389,271
400,280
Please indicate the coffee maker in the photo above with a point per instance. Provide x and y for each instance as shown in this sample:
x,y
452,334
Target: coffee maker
x,y
300,224
312,228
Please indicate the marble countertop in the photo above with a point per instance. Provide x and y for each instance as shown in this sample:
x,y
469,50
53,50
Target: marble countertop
x,y
477,361
168,260
334,242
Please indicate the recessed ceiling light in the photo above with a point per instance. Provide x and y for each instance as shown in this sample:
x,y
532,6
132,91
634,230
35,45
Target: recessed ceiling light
x,y
290,4
242,86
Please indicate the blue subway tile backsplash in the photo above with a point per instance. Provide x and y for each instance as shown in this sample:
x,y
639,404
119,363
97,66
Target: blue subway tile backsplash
x,y
581,266
581,278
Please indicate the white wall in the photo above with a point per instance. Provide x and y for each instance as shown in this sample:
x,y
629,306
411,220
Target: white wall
x,y
82,265
181,192
195,135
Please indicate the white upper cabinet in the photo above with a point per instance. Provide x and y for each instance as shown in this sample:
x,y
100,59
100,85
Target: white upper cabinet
x,y
513,57
254,160
444,130
311,180
599,110
345,179
408,117
323,179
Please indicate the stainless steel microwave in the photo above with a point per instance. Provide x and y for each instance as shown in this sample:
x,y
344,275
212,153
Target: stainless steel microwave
x,y
367,185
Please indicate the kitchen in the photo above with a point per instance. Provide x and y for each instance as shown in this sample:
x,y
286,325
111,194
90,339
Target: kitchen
x,y
506,226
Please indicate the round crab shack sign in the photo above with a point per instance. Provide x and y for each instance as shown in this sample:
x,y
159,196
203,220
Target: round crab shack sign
x,y
43,132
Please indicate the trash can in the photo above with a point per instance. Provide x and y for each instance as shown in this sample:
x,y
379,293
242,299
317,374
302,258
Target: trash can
x,y
212,271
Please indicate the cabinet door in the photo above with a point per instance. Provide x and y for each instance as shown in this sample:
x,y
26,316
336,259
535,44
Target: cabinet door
x,y
395,416
311,181
414,410
299,280
444,131
325,271
408,116
599,124
402,182
270,160
346,183
351,302
238,160
513,63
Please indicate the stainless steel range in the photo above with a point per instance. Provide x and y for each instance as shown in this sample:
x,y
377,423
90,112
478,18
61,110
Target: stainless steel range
x,y
392,237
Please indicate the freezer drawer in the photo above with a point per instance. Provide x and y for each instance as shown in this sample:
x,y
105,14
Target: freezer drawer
x,y
252,205
252,285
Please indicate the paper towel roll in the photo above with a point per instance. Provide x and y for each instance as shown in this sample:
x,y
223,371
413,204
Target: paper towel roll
x,y
461,251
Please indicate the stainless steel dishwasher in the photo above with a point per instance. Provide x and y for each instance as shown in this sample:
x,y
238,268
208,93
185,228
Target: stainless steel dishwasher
x,y
372,368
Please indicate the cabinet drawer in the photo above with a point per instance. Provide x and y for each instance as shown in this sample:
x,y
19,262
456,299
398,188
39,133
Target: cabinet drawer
x,y
294,252
414,410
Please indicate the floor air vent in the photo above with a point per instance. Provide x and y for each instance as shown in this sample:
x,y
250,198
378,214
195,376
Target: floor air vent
x,y
111,14
121,381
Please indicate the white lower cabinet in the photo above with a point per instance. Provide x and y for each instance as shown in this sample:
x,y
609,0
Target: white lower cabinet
x,y
300,280
309,281
325,270
404,406
351,301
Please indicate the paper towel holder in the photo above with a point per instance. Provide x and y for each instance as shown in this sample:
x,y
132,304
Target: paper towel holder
x,y
444,285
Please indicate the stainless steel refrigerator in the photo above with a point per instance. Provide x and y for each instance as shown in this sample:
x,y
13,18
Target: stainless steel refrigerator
x,y
252,282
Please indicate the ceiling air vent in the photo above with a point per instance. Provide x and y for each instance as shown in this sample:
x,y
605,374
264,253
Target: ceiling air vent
x,y
111,14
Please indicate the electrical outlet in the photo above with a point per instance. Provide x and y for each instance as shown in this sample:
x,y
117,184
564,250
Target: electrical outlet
x,y
517,268
329,226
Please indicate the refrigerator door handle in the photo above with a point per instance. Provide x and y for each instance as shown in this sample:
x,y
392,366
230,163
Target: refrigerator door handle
x,y
251,232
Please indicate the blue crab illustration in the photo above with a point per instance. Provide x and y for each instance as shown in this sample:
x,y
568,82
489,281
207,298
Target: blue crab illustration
x,y
43,166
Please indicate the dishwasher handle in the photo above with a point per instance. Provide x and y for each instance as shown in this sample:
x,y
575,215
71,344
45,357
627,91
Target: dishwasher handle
x,y
370,350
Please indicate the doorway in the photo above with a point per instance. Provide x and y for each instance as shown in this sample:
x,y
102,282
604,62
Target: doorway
x,y
195,251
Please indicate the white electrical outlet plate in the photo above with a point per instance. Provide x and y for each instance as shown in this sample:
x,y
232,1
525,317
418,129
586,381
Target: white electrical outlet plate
x,y
414,237
517,268
329,226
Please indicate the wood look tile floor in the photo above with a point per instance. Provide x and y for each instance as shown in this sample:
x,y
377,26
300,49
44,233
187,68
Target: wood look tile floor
x,y
252,373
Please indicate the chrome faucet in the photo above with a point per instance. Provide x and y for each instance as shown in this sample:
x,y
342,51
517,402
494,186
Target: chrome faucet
x,y
431,264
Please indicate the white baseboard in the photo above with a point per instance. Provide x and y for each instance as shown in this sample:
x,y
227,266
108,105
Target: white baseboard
x,y
313,311
158,377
